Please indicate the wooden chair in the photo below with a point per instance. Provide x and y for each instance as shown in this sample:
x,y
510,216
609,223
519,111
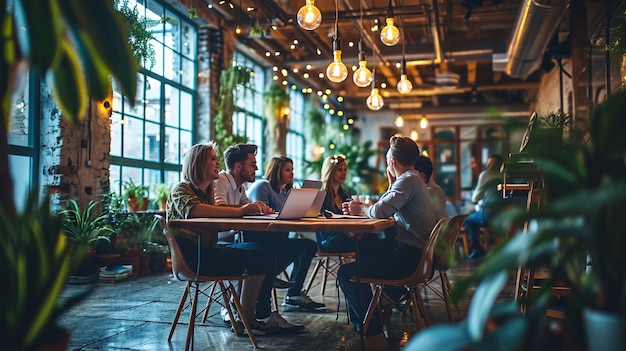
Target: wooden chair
x,y
330,263
189,297
446,245
422,274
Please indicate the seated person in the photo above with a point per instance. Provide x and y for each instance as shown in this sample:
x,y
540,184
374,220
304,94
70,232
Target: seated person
x,y
273,191
193,197
488,198
334,173
425,168
407,200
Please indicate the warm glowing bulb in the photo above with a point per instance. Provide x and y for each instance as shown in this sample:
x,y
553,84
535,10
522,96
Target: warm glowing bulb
x,y
362,76
404,85
337,71
309,17
414,135
238,30
399,122
375,101
390,35
424,123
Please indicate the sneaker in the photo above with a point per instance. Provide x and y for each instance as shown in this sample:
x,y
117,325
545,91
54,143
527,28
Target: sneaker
x,y
257,329
303,301
276,320
226,317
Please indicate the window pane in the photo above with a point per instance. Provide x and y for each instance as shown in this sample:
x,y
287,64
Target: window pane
x,y
153,99
185,144
116,134
133,138
172,177
189,40
188,73
133,173
171,31
152,140
446,168
19,129
151,177
21,167
171,145
170,66
171,106
186,110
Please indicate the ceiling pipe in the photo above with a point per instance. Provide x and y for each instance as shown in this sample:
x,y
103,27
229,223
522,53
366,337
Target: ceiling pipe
x,y
535,26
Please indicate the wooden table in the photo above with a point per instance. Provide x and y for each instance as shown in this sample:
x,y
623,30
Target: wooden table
x,y
199,225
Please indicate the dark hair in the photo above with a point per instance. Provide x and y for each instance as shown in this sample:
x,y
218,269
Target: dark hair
x,y
424,165
238,153
404,150
272,171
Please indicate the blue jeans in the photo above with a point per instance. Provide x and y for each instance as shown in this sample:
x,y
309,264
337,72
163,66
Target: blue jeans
x,y
472,224
300,252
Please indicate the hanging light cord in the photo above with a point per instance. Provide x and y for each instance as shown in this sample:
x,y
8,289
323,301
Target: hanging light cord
x,y
336,20
403,34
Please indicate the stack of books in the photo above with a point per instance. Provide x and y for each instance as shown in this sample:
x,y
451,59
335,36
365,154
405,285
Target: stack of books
x,y
112,274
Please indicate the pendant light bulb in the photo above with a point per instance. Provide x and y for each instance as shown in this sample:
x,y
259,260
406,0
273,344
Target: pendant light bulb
x,y
424,122
414,135
375,100
390,35
399,122
362,77
404,85
309,17
337,70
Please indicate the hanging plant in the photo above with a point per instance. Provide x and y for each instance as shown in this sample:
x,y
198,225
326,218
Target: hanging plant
x,y
315,124
276,101
232,78
257,31
138,34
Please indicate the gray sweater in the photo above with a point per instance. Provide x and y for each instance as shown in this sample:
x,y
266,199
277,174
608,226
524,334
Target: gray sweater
x,y
408,201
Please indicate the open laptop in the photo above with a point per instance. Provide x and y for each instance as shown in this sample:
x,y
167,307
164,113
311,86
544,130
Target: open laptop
x,y
296,205
316,206
313,184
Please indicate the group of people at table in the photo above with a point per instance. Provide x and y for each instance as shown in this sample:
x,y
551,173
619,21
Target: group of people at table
x,y
412,200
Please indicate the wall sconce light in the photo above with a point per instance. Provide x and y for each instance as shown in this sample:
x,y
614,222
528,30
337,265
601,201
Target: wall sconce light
x,y
399,122
424,122
390,35
309,17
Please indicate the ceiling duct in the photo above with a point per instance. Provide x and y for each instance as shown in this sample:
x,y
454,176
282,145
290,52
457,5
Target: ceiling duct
x,y
536,24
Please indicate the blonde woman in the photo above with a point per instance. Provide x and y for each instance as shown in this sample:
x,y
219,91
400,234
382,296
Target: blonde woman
x,y
334,174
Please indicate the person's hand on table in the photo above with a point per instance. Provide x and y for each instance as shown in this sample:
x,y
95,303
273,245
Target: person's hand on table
x,y
257,207
354,208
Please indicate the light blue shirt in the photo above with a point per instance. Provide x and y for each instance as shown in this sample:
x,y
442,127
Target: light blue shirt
x,y
261,190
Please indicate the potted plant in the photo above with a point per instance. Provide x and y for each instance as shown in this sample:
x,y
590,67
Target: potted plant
x,y
84,228
276,100
136,195
581,217
35,258
232,78
160,194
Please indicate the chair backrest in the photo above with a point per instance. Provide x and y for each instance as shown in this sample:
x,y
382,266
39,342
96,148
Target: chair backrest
x,y
447,241
180,269
424,270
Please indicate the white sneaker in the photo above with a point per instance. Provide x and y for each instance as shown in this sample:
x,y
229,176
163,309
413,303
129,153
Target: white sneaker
x,y
276,320
226,317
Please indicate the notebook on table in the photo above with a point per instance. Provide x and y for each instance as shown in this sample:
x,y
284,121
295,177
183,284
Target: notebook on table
x,y
296,205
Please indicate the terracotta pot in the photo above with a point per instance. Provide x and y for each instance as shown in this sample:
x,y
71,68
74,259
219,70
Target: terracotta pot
x,y
133,204
58,341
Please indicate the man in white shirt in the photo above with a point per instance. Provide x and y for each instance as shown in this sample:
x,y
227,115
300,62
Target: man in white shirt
x,y
230,190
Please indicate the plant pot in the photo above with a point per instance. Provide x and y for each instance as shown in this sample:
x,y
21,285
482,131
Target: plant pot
x,y
604,330
134,206
87,266
57,341
107,259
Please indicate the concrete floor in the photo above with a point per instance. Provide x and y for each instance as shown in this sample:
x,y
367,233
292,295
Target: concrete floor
x,y
137,314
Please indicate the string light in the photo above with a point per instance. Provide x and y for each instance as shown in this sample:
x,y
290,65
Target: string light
x,y
390,35
336,70
309,17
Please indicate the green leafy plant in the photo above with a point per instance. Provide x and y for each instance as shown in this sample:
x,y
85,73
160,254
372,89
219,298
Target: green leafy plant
x,y
275,103
135,193
160,193
83,226
581,216
230,79
139,35
553,119
257,31
35,258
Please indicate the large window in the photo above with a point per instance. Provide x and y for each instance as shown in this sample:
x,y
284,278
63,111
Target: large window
x,y
22,138
295,134
149,139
